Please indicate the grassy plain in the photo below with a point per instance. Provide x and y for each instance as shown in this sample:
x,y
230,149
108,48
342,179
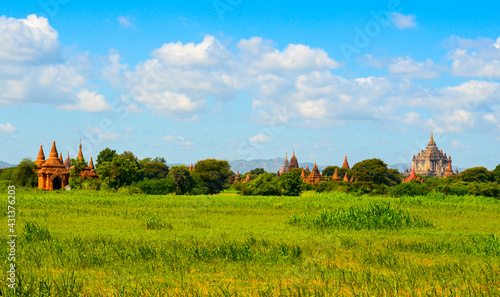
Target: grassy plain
x,y
83,243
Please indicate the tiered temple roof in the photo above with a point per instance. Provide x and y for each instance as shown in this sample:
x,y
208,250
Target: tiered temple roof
x,y
431,161
314,176
294,164
52,174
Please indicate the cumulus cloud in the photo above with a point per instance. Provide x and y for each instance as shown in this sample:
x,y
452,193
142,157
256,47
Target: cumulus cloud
x,y
259,138
402,21
405,66
89,101
179,141
7,128
31,40
33,68
476,58
413,69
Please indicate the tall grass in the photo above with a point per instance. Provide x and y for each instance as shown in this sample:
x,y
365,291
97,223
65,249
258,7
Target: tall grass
x,y
375,216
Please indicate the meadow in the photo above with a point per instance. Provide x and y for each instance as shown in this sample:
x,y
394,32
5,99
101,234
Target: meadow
x,y
88,243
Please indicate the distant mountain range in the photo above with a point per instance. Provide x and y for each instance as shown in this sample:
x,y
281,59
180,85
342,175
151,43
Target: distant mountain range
x,y
5,165
270,165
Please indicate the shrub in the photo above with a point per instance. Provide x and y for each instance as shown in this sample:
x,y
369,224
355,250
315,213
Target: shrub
x,y
157,186
412,188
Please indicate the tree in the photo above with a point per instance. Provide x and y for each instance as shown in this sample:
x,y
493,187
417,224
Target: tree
x,y
290,184
330,170
214,174
477,174
182,177
106,155
154,168
118,173
25,174
78,166
496,172
257,171
264,185
376,171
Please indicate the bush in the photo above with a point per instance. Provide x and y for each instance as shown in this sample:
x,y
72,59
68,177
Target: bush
x,y
412,188
264,185
157,186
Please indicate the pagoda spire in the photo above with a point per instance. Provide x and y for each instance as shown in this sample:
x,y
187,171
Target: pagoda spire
x,y
80,154
53,151
91,163
449,171
191,168
346,164
335,175
346,179
40,159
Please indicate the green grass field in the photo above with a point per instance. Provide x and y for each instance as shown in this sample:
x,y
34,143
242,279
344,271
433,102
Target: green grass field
x,y
105,244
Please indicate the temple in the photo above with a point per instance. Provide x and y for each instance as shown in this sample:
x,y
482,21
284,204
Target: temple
x,y
314,177
286,166
54,173
431,161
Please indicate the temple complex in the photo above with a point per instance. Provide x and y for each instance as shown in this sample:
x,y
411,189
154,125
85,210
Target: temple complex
x,y
54,173
431,161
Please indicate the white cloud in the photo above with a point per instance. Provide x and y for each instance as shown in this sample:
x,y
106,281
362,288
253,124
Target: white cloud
x,y
168,138
259,138
476,58
31,40
104,134
490,118
297,57
7,128
170,103
413,69
89,101
209,52
179,141
33,68
402,21
126,22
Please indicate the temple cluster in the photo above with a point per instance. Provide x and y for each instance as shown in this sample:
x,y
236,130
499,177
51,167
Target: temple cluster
x,y
54,173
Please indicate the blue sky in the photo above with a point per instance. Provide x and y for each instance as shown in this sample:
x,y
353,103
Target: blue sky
x,y
238,79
